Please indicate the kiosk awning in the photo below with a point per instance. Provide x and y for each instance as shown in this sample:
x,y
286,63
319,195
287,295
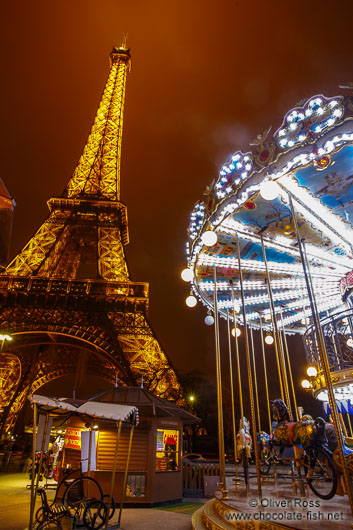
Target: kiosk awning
x,y
94,409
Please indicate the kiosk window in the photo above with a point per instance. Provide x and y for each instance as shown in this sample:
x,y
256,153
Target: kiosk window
x,y
167,450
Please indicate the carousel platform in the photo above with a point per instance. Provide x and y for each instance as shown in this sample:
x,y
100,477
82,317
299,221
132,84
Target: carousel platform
x,y
278,509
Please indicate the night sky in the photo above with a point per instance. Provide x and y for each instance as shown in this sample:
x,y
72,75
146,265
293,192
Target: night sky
x,y
206,78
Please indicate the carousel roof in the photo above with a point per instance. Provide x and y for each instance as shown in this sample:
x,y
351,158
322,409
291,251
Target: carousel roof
x,y
94,409
310,159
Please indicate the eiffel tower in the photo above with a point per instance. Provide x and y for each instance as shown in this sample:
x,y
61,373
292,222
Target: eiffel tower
x,y
67,298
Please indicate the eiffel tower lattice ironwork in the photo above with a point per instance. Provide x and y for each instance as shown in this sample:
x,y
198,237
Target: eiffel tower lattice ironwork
x,y
67,298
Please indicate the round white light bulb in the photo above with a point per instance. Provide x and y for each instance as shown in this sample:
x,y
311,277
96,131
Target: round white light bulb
x,y
209,238
349,342
191,301
311,371
305,383
236,307
269,339
236,331
269,190
187,275
209,320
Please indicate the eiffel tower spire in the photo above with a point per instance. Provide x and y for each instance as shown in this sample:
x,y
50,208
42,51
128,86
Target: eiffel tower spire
x,y
97,174
87,224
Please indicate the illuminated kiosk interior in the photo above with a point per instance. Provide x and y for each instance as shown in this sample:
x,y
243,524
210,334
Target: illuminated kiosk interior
x,y
310,158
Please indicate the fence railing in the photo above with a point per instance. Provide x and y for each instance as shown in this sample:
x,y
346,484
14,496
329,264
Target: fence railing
x,y
338,335
193,474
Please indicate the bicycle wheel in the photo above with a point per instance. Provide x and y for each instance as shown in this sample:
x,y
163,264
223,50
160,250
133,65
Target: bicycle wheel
x,y
39,515
79,493
112,505
322,476
50,525
265,466
95,515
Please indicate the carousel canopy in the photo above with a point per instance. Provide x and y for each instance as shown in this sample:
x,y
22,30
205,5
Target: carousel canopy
x,y
94,409
309,160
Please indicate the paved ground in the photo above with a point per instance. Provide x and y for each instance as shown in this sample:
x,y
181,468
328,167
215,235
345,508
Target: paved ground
x,y
14,510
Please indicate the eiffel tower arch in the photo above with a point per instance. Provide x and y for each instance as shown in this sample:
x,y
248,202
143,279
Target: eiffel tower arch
x,y
67,298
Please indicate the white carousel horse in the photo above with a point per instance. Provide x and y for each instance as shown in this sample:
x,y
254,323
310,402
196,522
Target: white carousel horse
x,y
244,440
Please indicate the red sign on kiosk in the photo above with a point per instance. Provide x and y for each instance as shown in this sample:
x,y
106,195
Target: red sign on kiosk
x,y
72,438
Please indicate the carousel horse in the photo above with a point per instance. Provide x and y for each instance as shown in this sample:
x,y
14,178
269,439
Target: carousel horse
x,y
308,433
244,440
244,445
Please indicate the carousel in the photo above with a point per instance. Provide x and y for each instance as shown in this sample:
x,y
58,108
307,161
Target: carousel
x,y
270,250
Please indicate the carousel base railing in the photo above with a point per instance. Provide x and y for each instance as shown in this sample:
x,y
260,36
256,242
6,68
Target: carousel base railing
x,y
244,510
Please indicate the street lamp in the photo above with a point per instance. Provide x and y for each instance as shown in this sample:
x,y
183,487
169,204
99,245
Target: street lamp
x,y
3,338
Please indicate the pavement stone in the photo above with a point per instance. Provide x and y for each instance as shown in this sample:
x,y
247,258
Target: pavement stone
x,y
14,509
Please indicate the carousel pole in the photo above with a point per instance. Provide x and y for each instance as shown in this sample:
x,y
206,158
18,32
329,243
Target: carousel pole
x,y
33,465
113,474
278,348
322,355
266,382
238,361
232,397
125,474
349,423
222,481
250,380
255,377
289,366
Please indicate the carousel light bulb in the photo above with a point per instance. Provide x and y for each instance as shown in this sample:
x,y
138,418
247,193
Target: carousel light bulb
x,y
209,320
209,238
236,331
269,339
306,383
236,307
187,275
349,342
311,371
191,301
269,190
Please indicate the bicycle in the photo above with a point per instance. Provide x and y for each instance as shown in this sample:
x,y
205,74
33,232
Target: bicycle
x,y
49,515
77,494
321,473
